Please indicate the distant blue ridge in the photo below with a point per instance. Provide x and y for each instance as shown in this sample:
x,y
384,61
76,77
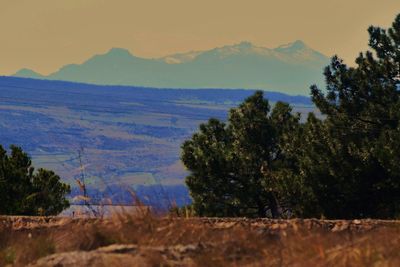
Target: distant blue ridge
x,y
208,94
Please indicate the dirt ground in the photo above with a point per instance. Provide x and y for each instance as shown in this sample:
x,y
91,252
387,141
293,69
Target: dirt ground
x,y
147,240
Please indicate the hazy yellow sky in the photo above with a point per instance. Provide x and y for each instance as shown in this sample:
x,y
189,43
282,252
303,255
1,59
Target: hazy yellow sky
x,y
46,34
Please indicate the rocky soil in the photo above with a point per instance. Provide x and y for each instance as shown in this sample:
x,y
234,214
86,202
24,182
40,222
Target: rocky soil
x,y
152,241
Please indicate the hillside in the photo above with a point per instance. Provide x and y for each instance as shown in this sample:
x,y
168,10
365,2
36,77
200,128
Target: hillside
x,y
242,65
129,137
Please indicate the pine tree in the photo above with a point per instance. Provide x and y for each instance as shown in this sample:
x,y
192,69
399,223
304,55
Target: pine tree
x,y
344,165
234,166
351,160
26,192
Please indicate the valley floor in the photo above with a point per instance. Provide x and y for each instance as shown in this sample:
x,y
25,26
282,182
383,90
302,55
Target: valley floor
x,y
147,240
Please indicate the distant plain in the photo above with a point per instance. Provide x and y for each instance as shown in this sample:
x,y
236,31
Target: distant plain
x,y
127,138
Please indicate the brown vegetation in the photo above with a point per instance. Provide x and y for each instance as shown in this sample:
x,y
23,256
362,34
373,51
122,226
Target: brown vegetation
x,y
147,240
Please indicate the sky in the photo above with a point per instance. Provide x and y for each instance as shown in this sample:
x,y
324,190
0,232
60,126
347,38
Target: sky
x,y
44,35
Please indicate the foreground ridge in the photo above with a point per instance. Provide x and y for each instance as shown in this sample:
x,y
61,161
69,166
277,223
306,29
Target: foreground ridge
x,y
148,240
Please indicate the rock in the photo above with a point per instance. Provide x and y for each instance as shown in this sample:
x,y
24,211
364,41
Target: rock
x,y
116,248
114,255
341,226
91,258
123,255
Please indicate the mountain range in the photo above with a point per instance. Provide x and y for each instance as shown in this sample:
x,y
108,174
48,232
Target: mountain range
x,y
289,68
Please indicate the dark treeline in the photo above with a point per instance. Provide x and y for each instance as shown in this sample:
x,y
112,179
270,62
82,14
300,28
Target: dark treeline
x,y
264,162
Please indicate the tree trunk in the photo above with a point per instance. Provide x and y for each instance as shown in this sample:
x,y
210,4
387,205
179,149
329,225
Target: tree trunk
x,y
274,206
261,209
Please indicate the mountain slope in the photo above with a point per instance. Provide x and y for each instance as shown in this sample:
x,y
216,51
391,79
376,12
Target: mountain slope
x,y
290,68
27,73
131,135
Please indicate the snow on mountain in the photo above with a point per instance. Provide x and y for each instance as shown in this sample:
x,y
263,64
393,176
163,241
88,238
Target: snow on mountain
x,y
289,68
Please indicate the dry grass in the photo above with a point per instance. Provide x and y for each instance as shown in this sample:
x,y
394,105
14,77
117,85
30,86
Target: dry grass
x,y
208,242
